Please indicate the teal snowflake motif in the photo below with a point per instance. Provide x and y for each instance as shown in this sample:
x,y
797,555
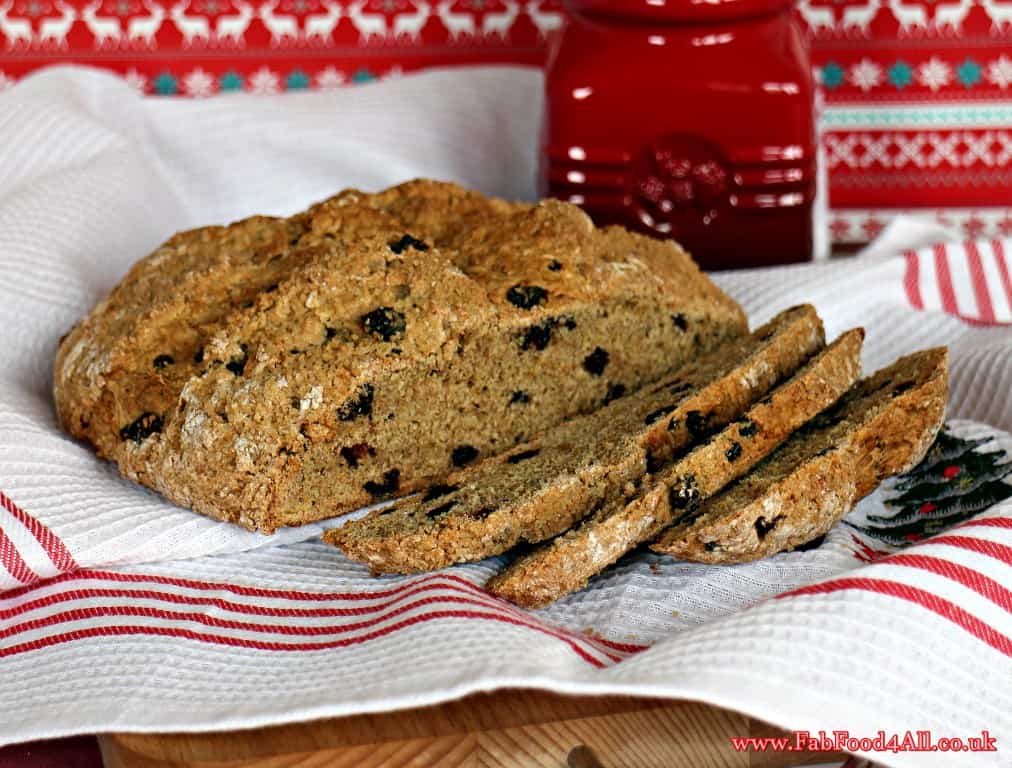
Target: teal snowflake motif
x,y
968,73
166,85
230,81
297,80
363,76
901,75
832,75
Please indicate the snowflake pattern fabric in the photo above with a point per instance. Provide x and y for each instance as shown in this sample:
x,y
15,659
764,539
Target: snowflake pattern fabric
x,y
907,75
999,72
892,65
935,73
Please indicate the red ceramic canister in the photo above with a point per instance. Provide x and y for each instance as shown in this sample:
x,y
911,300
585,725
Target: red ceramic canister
x,y
690,119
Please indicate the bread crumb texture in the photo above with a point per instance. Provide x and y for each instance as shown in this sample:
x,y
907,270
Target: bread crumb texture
x,y
278,371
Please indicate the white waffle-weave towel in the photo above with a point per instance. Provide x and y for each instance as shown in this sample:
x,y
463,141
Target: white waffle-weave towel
x,y
119,611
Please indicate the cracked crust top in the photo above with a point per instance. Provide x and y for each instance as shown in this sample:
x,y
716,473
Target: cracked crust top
x,y
225,358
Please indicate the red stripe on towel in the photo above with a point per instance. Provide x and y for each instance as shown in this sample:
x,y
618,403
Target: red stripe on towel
x,y
938,605
911,281
265,645
983,585
944,277
50,542
11,559
985,309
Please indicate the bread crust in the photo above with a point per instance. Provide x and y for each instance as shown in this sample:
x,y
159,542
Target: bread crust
x,y
675,494
541,488
280,371
818,476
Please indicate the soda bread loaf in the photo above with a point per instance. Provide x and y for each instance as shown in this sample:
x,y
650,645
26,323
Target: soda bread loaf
x,y
674,494
279,371
884,426
541,488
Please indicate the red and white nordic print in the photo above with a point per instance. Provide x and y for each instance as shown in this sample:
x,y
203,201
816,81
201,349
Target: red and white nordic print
x,y
916,91
917,122
202,47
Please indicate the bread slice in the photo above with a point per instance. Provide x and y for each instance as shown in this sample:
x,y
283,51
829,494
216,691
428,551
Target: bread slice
x,y
884,426
674,495
277,372
543,487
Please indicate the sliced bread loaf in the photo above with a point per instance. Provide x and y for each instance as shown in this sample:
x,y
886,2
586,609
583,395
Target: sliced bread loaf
x,y
884,426
674,494
543,487
277,372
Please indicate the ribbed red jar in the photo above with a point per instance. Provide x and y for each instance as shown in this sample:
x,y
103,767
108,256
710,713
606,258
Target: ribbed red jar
x,y
686,119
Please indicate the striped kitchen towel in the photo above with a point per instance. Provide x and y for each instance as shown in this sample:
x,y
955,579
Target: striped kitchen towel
x,y
120,611
872,630
972,280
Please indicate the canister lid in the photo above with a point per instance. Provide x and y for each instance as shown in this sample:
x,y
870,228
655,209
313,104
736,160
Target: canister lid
x,y
683,11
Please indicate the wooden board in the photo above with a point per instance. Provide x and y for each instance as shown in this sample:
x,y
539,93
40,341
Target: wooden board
x,y
505,729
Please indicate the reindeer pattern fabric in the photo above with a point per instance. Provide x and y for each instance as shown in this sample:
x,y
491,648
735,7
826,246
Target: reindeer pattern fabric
x,y
511,30
917,116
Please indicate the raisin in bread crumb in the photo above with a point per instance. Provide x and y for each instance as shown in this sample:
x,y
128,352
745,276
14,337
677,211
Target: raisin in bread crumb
x,y
883,427
674,494
543,487
279,371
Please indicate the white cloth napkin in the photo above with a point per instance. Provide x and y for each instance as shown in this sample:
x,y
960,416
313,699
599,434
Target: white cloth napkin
x,y
95,176
122,612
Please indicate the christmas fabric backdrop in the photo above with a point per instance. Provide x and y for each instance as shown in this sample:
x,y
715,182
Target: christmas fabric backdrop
x,y
918,114
119,611
917,93
203,47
